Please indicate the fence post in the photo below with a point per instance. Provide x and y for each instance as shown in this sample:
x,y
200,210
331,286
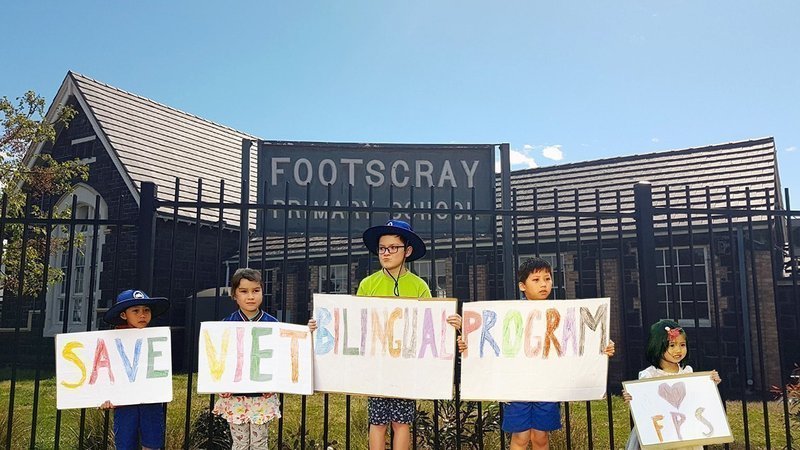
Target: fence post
x,y
145,243
244,217
646,253
509,271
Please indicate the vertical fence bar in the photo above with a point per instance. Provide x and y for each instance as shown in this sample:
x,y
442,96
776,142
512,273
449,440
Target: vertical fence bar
x,y
23,260
646,244
579,294
67,292
737,296
505,188
48,229
171,292
781,356
457,399
244,214
193,317
217,292
473,217
90,307
756,300
714,292
349,291
114,288
326,398
601,283
672,305
693,277
793,257
284,290
306,260
560,293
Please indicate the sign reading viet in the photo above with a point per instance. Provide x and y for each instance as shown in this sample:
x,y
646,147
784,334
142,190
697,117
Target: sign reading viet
x,y
384,347
125,367
251,357
525,350
678,411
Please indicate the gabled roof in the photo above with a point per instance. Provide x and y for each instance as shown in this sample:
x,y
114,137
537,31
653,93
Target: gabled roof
x,y
149,141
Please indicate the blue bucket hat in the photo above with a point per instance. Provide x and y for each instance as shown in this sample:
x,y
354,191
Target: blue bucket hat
x,y
134,297
373,234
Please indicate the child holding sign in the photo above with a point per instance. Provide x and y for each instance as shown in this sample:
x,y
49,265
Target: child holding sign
x,y
395,244
532,421
134,309
248,414
666,352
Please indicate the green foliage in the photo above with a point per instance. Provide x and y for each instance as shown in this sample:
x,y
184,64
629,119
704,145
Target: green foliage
x,y
25,184
96,433
448,431
293,441
210,431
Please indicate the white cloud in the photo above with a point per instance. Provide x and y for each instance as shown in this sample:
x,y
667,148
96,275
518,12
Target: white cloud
x,y
519,160
792,149
553,152
655,139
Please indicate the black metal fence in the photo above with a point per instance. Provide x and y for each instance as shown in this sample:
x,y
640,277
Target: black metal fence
x,y
722,262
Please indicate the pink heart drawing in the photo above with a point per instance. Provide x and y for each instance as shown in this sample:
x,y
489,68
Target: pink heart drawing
x,y
674,394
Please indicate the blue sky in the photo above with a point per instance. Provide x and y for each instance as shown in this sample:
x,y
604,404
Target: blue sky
x,y
561,81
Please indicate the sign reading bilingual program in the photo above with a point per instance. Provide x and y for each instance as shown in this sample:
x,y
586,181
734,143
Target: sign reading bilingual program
x,y
535,350
125,367
384,347
397,176
678,411
251,357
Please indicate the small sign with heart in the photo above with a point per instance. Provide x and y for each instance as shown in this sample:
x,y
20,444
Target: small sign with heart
x,y
677,411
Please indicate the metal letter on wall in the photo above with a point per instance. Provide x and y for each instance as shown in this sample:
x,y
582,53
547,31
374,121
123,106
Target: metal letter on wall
x,y
452,170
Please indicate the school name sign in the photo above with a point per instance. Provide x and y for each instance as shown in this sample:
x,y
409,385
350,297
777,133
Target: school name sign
x,y
384,347
251,357
126,367
535,350
398,176
678,411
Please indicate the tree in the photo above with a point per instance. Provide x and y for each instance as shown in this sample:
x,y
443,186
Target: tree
x,y
26,190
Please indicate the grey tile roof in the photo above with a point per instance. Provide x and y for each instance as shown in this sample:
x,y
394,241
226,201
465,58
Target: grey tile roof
x,y
154,142
736,166
157,143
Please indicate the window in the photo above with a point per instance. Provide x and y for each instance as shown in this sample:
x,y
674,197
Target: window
x,y
438,286
77,267
682,283
338,281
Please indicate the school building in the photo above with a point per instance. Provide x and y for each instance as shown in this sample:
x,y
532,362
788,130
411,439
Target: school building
x,y
722,273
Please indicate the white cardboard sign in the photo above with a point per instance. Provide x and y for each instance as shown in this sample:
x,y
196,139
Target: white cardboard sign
x,y
125,367
251,357
542,350
678,411
384,346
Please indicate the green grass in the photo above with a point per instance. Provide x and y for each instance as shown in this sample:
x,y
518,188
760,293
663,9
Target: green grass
x,y
176,414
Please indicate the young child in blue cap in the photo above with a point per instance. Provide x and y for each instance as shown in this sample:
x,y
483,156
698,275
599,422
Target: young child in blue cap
x,y
136,424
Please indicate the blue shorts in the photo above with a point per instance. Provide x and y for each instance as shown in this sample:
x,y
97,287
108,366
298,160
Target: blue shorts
x,y
522,416
133,421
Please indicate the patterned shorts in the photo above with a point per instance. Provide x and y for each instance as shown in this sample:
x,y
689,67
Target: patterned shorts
x,y
384,410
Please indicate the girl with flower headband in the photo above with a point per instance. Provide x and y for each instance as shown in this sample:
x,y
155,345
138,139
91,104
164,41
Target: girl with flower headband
x,y
666,352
